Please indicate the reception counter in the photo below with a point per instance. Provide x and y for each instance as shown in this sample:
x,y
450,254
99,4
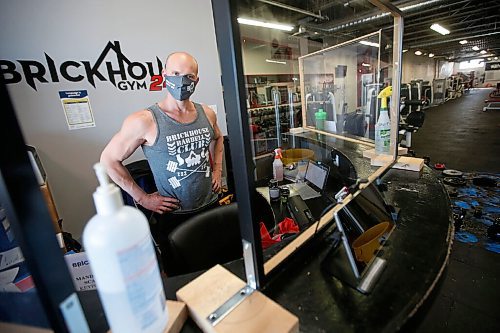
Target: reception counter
x,y
416,254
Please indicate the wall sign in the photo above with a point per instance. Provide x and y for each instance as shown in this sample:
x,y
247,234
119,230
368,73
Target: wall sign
x,y
492,66
122,73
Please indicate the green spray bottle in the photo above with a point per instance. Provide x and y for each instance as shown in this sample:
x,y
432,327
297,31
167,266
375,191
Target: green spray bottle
x,y
383,125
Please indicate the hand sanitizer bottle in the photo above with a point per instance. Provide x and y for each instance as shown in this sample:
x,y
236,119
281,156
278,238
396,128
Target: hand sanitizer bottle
x,y
121,255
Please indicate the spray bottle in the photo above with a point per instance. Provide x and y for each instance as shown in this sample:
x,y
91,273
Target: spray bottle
x,y
320,117
277,165
118,244
383,125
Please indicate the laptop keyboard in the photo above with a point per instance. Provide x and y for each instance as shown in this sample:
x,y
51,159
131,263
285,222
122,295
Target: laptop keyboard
x,y
305,191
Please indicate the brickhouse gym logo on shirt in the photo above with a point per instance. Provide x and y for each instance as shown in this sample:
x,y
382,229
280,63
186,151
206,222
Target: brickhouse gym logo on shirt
x,y
118,70
190,150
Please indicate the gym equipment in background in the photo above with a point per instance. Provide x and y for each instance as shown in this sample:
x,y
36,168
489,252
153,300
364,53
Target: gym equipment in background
x,y
493,102
438,91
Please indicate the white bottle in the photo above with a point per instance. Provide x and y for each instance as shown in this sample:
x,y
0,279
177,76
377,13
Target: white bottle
x,y
121,255
277,165
383,133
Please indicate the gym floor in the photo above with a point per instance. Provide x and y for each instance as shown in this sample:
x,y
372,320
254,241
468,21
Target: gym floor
x,y
463,137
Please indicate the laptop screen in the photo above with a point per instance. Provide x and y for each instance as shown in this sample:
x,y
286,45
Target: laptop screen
x,y
316,174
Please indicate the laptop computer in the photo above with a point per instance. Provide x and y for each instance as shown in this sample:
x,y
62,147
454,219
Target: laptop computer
x,y
308,200
314,183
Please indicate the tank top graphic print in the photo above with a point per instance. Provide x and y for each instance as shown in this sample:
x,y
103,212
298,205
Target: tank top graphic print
x,y
180,160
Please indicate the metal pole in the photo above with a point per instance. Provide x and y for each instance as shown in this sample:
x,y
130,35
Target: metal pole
x,y
277,101
229,47
397,62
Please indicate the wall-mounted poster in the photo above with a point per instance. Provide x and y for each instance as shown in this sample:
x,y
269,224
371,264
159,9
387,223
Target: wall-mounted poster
x,y
77,110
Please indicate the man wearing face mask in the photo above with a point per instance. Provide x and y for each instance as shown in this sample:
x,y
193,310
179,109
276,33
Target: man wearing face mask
x,y
183,146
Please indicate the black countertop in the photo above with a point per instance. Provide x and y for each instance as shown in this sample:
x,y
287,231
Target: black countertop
x,y
416,255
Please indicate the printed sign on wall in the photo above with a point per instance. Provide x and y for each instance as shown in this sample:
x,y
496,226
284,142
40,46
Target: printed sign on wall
x,y
492,66
76,106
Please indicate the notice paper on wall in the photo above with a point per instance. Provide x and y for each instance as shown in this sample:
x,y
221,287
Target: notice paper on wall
x,y
76,107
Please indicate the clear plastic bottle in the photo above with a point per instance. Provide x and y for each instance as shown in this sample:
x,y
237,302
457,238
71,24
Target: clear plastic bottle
x,y
277,165
119,247
383,133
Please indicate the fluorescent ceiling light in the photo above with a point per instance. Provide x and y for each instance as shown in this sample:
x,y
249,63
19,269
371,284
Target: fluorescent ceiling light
x,y
463,42
431,55
475,48
418,52
365,65
256,23
405,50
365,42
443,31
496,58
483,52
489,59
276,62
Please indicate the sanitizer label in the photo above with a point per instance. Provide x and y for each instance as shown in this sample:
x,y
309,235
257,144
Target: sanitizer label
x,y
385,135
142,281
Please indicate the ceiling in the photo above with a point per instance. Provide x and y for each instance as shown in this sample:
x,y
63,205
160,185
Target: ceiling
x,y
334,21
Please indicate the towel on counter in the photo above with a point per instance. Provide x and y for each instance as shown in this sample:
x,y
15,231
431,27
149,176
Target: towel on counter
x,y
287,226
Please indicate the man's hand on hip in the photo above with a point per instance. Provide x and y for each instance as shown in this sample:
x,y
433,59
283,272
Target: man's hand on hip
x,y
158,203
216,181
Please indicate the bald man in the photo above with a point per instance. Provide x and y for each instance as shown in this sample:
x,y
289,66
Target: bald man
x,y
182,143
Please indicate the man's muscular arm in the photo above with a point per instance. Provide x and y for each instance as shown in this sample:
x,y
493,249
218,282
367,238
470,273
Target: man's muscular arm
x,y
216,150
122,145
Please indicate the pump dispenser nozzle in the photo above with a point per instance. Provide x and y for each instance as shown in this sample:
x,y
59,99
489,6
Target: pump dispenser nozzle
x,y
107,197
102,176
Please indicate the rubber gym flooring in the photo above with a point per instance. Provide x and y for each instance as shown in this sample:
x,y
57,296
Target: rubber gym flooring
x,y
463,137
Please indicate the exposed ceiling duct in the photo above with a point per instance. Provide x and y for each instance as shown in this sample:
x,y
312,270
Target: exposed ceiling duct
x,y
372,16
478,21
294,9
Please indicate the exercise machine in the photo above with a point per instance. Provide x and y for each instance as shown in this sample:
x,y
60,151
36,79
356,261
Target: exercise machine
x,y
411,123
438,91
370,108
455,87
493,101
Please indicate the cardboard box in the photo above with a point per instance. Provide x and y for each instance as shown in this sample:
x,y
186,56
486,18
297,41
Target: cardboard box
x,y
79,268
371,152
403,162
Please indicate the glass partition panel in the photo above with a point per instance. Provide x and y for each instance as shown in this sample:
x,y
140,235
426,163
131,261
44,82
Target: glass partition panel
x,y
341,84
311,99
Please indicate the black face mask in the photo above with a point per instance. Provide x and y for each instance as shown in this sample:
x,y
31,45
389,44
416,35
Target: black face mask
x,y
180,87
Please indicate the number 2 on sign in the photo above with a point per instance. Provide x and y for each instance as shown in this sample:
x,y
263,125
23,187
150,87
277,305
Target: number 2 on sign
x,y
156,83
